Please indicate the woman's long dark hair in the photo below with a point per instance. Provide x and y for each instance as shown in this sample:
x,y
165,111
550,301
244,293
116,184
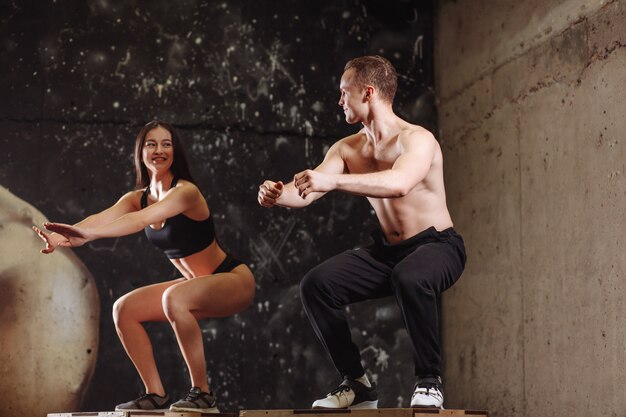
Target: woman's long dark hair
x,y
180,167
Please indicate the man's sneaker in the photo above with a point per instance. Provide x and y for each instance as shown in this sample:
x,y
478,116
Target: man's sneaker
x,y
428,392
198,401
146,402
350,394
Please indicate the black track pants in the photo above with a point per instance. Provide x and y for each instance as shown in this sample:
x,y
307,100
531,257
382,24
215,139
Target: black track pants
x,y
415,271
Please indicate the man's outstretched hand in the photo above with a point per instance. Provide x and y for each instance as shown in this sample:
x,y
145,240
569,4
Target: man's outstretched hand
x,y
269,192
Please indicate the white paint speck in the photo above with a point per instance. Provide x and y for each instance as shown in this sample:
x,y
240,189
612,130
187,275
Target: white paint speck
x,y
318,106
308,128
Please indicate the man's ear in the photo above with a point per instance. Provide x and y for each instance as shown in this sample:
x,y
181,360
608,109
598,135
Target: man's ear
x,y
369,92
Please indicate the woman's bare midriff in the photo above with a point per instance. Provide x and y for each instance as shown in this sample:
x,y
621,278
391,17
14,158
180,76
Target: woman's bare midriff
x,y
200,263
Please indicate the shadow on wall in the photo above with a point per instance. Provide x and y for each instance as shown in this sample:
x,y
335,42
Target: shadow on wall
x,y
49,315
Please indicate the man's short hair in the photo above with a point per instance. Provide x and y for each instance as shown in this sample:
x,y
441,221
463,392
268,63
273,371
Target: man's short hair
x,y
376,71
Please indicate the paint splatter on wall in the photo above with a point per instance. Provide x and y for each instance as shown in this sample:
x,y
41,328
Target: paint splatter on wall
x,y
252,87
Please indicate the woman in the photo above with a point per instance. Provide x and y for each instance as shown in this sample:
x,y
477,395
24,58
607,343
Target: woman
x,y
168,205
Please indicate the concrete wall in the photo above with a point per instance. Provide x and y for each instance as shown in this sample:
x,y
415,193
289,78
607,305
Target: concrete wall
x,y
532,112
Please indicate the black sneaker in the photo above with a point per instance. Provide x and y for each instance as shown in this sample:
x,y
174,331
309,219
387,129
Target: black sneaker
x,y
350,394
198,401
146,402
428,392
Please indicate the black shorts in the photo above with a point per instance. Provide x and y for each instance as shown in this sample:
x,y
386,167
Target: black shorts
x,y
228,264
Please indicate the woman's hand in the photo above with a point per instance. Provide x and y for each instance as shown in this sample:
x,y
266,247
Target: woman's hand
x,y
52,240
72,236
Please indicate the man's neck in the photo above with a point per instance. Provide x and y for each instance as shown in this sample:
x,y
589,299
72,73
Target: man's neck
x,y
382,125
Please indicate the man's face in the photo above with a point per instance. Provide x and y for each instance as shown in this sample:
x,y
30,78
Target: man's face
x,y
352,98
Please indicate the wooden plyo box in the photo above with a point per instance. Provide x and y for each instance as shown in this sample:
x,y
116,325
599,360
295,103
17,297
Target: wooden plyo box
x,y
156,413
380,412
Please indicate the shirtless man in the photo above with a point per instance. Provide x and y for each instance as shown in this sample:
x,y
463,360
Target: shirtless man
x,y
416,254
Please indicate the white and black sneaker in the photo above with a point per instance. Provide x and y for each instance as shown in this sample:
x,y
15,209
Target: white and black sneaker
x,y
196,401
428,392
350,394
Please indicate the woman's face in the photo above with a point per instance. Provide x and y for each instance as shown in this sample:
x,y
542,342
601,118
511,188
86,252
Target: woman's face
x,y
158,150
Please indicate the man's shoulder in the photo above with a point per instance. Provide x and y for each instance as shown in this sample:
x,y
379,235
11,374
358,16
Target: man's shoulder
x,y
357,136
413,135
415,131
352,140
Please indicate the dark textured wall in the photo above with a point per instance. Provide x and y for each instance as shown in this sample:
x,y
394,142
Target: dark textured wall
x,y
252,87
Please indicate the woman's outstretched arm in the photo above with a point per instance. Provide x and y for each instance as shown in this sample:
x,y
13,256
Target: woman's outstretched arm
x,y
128,203
178,200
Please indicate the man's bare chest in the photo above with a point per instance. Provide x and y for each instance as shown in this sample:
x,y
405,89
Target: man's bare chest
x,y
372,159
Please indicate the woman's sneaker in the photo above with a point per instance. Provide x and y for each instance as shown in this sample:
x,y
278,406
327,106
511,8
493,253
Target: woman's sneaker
x,y
428,392
146,402
350,394
198,401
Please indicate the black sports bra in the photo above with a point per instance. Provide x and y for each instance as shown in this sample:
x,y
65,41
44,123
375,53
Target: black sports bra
x,y
180,236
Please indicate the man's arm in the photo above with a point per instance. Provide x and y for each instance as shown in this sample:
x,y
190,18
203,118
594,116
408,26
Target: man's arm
x,y
276,193
408,170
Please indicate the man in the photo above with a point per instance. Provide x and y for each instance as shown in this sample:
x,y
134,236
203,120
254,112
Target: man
x,y
416,254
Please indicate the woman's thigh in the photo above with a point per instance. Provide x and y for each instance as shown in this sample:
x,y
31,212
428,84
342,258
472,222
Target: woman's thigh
x,y
144,303
217,295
